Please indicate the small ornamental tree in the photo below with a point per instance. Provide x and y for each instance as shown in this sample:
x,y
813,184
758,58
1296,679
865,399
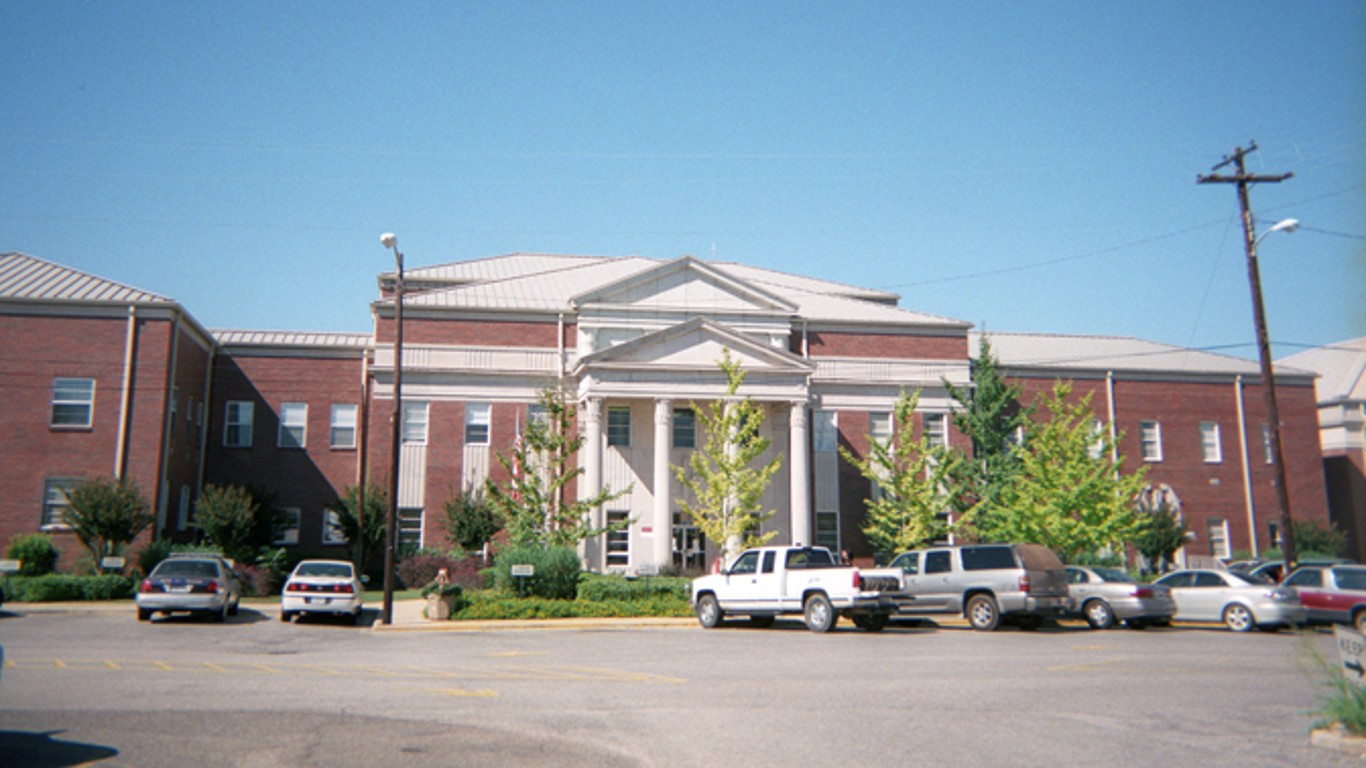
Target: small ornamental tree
x,y
911,478
1161,534
1070,494
362,523
227,517
470,520
106,515
534,501
722,476
990,414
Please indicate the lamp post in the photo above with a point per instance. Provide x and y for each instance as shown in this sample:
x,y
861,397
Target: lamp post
x,y
390,241
1269,386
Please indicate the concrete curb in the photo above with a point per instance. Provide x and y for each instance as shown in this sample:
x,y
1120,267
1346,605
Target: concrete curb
x,y
1339,739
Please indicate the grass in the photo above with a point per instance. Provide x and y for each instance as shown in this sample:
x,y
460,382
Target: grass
x,y
1344,702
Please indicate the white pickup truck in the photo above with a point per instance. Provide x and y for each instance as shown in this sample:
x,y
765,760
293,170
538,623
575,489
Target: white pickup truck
x,y
765,582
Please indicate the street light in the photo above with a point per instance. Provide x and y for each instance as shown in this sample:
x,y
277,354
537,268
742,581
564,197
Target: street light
x,y
1269,387
390,240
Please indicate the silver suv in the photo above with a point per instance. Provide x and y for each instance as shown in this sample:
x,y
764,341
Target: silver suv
x,y
987,583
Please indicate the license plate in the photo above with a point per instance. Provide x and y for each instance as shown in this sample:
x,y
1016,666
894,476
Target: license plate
x,y
178,588
318,600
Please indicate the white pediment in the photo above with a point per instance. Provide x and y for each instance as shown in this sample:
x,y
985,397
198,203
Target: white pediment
x,y
684,285
697,344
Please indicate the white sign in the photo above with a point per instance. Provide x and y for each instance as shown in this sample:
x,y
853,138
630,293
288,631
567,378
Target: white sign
x,y
648,569
9,566
112,563
1351,650
523,570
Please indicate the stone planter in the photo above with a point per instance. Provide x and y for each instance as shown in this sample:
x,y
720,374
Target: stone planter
x,y
439,607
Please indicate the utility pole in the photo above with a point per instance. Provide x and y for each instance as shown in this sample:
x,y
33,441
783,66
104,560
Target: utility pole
x,y
1243,179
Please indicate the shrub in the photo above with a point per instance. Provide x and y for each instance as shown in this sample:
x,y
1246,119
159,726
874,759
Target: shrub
x,y
36,553
56,587
556,574
598,587
498,605
148,557
421,567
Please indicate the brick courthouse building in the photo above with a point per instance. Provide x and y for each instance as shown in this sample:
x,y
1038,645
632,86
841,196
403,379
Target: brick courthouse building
x,y
100,379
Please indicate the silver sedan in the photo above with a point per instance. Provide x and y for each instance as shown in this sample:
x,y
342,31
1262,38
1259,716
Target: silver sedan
x,y
1240,601
1104,596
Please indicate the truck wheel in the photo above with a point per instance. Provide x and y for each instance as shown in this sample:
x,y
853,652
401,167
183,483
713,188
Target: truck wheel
x,y
1099,614
708,612
761,621
819,614
982,613
1238,618
144,614
871,622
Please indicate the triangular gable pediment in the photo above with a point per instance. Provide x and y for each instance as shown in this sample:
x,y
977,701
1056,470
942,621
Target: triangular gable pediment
x,y
685,284
698,344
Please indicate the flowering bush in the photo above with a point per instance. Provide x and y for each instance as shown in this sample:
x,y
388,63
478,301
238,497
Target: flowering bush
x,y
422,567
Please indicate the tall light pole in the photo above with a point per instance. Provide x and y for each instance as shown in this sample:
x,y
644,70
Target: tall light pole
x,y
390,241
1250,240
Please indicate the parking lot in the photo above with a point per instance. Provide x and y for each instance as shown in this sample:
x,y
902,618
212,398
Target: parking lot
x,y
255,691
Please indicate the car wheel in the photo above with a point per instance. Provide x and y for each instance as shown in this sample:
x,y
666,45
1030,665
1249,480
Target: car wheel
x,y
1099,614
354,618
236,604
144,614
221,615
1238,618
1359,621
982,613
286,616
872,622
761,621
819,614
709,612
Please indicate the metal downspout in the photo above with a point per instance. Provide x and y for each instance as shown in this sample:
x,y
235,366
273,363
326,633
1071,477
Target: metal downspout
x,y
1247,470
126,404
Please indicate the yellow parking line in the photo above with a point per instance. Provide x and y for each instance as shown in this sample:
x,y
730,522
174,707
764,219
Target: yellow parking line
x,y
264,668
214,667
59,664
319,670
163,666
483,693
110,665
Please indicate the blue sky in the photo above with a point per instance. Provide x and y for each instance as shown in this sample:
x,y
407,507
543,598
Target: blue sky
x,y
1024,167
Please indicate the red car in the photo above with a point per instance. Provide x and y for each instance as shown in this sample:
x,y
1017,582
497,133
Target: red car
x,y
1332,594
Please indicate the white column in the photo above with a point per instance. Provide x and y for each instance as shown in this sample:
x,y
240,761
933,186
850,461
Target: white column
x,y
663,517
592,474
800,471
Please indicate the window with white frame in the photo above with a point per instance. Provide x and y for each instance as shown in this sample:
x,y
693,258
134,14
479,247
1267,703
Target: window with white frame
x,y
414,422
1218,538
618,539
293,425
1270,455
1150,440
685,428
73,402
1097,446
342,433
1211,449
287,526
880,427
619,426
537,412
409,529
333,532
171,409
478,416
55,501
825,431
937,429
827,531
237,422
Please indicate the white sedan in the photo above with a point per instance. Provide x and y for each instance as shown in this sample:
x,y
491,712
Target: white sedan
x,y
1240,601
324,587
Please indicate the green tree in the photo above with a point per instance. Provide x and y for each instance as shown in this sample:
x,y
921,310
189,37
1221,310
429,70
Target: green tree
x,y
106,515
1316,539
912,479
362,523
1162,532
722,477
226,515
470,520
1070,493
989,413
534,500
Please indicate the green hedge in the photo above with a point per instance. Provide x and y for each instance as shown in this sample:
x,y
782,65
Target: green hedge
x,y
60,587
608,587
494,605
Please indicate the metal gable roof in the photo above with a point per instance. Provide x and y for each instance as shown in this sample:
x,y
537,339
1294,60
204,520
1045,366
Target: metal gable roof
x,y
1113,353
1341,366
26,278
292,339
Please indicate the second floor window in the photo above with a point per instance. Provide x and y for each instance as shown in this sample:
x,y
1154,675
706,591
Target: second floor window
x,y
1150,440
73,402
237,418
685,428
1210,449
293,425
619,426
415,423
343,431
937,429
826,430
478,416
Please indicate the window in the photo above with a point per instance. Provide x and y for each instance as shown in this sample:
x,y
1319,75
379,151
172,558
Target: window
x,y
414,423
1210,449
237,421
689,543
987,558
880,427
1096,449
1218,537
685,428
937,429
1150,440
1266,444
748,563
618,538
826,431
293,425
171,407
183,509
477,418
332,528
343,431
55,502
938,561
770,562
827,533
73,402
537,413
619,426
287,527
409,529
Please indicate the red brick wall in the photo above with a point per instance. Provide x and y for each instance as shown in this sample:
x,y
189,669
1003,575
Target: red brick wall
x,y
837,344
479,333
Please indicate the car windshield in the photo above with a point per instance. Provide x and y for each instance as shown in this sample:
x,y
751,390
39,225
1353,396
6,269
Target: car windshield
x,y
1113,574
329,570
1239,579
199,569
